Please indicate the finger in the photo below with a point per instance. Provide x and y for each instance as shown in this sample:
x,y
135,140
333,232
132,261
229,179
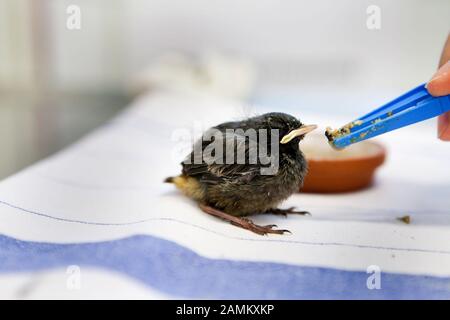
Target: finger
x,y
443,120
439,84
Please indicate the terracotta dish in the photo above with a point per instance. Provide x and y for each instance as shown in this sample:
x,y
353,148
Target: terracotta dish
x,y
332,171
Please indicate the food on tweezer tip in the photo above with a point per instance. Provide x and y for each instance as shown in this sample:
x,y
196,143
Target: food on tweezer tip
x,y
332,134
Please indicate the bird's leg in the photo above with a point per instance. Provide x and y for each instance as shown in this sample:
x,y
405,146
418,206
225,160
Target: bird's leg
x,y
241,222
285,212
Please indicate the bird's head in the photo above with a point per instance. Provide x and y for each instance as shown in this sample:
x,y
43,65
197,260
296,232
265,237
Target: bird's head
x,y
291,130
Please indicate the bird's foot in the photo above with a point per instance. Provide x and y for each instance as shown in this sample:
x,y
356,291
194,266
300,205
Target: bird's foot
x,y
285,212
261,230
243,222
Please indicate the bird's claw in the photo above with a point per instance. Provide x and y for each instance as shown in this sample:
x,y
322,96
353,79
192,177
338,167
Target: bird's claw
x,y
285,212
261,230
292,210
264,230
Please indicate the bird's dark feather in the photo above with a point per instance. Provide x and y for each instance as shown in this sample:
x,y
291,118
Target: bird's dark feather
x,y
213,169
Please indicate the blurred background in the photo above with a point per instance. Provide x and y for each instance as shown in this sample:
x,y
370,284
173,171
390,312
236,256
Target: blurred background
x,y
58,83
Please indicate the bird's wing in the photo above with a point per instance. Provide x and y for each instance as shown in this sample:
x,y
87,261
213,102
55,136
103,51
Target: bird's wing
x,y
212,167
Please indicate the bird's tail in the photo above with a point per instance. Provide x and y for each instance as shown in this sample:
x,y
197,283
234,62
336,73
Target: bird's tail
x,y
169,179
190,186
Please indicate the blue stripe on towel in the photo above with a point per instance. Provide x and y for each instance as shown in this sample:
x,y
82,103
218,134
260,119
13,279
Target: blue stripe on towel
x,y
178,271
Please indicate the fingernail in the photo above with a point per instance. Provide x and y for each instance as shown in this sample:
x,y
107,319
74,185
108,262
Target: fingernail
x,y
438,85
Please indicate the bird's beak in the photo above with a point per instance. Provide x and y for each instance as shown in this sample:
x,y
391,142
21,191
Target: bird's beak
x,y
298,132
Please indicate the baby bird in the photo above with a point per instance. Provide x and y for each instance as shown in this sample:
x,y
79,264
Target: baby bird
x,y
253,166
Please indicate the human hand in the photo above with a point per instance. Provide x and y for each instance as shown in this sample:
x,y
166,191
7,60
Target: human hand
x,y
439,85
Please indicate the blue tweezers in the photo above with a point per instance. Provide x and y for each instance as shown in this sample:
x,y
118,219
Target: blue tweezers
x,y
414,106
